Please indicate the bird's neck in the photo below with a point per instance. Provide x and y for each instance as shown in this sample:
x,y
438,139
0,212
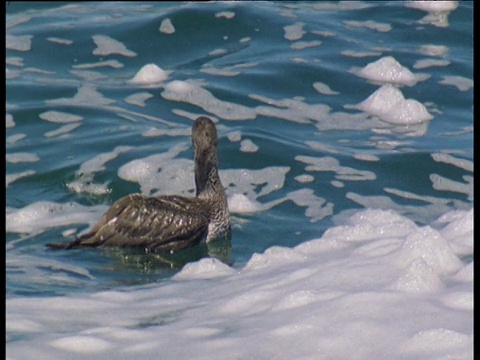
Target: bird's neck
x,y
206,173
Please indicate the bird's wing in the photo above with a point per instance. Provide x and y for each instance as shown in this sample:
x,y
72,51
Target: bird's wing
x,y
165,223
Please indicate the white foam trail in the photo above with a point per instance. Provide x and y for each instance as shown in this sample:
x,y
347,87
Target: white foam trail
x,y
42,215
460,82
138,99
108,46
294,32
167,27
149,74
389,105
369,24
225,14
59,117
389,70
19,43
333,295
21,157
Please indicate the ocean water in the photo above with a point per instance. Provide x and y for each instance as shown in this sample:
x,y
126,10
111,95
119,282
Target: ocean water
x,y
346,149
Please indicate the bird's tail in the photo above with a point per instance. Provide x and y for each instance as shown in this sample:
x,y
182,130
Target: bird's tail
x,y
57,246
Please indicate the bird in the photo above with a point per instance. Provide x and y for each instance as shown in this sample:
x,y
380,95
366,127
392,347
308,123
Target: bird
x,y
168,223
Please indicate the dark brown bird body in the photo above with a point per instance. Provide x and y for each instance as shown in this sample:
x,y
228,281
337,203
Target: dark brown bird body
x,y
171,222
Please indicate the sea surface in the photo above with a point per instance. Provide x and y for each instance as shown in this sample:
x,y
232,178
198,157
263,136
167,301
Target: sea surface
x,y
325,111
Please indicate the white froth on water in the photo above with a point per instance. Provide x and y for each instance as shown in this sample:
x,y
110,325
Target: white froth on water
x,y
388,104
359,54
59,117
433,6
332,295
389,70
138,99
239,203
84,182
218,52
107,63
108,46
21,157
42,215
87,95
61,41
248,145
149,74
450,159
442,183
225,14
10,178
294,32
12,139
304,178
438,11
300,45
218,72
167,27
460,82
19,43
369,24
190,91
424,63
328,163
9,122
324,89
161,173
64,129
433,50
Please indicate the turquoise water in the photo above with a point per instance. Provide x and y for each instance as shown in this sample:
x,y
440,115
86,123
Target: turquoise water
x,y
245,60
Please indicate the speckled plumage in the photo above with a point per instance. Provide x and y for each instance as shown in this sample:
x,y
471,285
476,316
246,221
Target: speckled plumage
x,y
170,222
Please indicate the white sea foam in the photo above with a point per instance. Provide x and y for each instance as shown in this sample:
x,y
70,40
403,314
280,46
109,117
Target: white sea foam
x,y
87,95
108,46
248,145
10,178
110,63
84,182
433,50
220,72
19,43
438,11
460,82
324,89
369,24
450,159
360,54
14,138
424,63
166,27
389,105
9,122
389,70
21,157
138,99
42,215
433,6
225,14
64,129
59,117
331,164
294,32
333,295
149,74
61,41
300,45
191,92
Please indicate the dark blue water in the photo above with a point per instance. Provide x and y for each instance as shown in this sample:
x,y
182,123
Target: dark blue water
x,y
53,65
